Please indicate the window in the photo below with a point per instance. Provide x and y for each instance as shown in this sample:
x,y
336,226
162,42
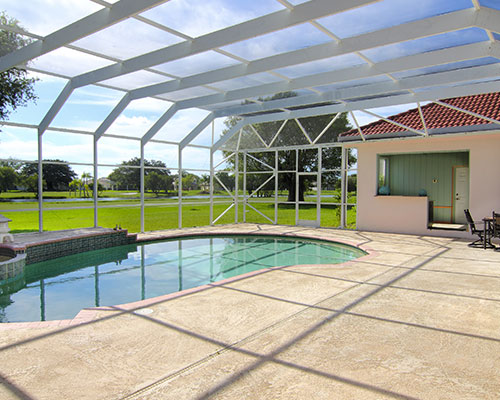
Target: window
x,y
383,175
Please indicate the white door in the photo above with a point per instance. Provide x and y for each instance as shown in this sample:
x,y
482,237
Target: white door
x,y
461,195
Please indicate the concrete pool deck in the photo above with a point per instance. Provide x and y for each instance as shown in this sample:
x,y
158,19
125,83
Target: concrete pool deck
x,y
419,317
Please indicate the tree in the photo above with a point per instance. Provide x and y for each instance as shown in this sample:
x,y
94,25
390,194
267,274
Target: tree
x,y
75,185
254,181
352,183
8,178
15,88
57,176
31,183
86,176
292,134
226,179
130,178
16,165
189,181
157,182
100,188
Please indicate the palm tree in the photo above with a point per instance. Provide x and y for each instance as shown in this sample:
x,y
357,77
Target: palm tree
x,y
86,176
74,185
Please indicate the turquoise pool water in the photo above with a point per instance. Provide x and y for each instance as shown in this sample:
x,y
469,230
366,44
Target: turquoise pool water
x,y
60,288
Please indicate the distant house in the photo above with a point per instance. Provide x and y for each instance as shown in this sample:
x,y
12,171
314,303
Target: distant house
x,y
106,183
418,178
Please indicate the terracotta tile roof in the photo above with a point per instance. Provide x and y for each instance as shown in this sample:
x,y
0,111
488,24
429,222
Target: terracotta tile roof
x,y
438,116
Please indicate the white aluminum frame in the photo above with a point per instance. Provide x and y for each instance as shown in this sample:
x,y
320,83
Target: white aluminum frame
x,y
345,96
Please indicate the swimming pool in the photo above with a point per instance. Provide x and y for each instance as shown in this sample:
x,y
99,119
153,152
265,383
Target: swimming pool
x,y
60,288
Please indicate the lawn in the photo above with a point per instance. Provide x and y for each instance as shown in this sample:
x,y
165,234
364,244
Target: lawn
x,y
166,217
161,213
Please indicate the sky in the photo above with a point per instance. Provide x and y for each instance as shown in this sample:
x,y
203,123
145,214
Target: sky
x,y
87,107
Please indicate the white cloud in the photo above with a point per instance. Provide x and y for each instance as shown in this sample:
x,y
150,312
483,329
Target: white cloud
x,y
293,38
77,152
20,149
115,151
324,65
197,63
205,137
387,13
181,124
198,17
128,39
20,143
135,121
196,158
110,102
149,105
45,16
136,80
69,62
162,152
44,78
134,126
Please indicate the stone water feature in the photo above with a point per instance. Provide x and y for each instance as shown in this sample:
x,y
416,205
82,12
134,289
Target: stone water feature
x,y
5,236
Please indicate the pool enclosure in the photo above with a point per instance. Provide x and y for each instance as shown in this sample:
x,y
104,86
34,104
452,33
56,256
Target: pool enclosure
x,y
193,66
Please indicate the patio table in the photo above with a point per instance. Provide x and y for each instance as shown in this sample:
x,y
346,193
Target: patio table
x,y
488,221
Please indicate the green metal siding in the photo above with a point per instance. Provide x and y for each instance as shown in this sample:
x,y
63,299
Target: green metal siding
x,y
409,173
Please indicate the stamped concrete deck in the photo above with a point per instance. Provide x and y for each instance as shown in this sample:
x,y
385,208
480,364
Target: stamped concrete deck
x,y
419,317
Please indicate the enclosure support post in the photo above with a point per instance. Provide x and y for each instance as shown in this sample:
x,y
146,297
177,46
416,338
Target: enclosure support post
x,y
211,187
236,176
95,185
211,241
142,187
96,286
179,258
40,185
275,187
296,186
212,175
179,179
318,186
343,199
42,300
143,274
245,186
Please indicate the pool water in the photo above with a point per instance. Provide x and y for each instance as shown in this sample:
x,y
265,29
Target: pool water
x,y
60,288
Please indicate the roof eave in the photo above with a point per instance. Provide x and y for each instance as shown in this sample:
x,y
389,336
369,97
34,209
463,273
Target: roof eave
x,y
432,132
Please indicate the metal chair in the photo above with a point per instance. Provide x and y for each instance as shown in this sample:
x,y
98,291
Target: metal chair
x,y
481,242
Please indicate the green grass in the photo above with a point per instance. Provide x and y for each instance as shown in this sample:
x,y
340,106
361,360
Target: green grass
x,y
166,217
163,213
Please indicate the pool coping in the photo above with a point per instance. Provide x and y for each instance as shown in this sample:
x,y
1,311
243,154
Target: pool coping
x,y
88,314
42,246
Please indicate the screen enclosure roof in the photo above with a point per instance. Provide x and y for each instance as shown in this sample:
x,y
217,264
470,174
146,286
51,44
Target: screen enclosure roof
x,y
225,57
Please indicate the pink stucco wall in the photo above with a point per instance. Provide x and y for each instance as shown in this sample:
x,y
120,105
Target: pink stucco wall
x,y
409,214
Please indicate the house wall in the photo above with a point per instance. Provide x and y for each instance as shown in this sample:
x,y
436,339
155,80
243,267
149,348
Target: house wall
x,y
408,214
